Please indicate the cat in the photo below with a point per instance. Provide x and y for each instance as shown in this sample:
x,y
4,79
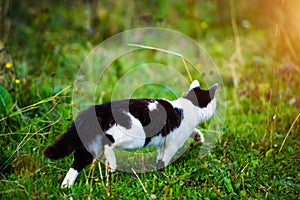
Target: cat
x,y
133,124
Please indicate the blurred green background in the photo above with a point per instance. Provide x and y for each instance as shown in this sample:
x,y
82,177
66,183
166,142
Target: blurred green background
x,y
254,43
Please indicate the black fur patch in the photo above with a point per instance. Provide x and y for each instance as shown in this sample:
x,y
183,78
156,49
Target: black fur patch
x,y
110,113
199,97
174,117
110,138
162,120
82,158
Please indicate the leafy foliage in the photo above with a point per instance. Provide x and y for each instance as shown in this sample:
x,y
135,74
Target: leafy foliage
x,y
6,101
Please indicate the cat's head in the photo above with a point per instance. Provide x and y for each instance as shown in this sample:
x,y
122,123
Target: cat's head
x,y
203,99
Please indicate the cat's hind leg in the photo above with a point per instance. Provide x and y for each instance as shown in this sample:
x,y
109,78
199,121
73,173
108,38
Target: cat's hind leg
x,y
110,157
82,158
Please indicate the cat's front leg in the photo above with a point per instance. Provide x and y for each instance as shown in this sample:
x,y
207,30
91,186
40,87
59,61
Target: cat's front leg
x,y
165,154
197,135
110,157
159,161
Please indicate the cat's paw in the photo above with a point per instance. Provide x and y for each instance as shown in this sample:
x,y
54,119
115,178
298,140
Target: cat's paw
x,y
65,185
197,135
111,167
160,164
70,178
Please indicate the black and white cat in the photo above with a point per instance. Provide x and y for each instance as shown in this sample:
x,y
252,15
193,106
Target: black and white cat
x,y
133,124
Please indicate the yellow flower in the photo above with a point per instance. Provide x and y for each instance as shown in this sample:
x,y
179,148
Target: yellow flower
x,y
96,179
203,25
17,81
8,65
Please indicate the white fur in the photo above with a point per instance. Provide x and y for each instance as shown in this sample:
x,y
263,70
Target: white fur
x,y
95,147
157,141
152,106
111,161
208,111
132,138
194,84
177,137
70,178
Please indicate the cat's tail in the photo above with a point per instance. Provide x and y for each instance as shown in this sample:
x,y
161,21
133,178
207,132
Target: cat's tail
x,y
64,145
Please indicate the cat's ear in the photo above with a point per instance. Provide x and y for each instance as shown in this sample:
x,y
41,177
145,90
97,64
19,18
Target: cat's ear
x,y
194,84
212,90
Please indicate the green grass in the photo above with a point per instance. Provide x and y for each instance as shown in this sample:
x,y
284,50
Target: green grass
x,y
256,157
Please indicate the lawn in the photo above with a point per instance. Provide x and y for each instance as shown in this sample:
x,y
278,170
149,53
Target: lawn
x,y
256,152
